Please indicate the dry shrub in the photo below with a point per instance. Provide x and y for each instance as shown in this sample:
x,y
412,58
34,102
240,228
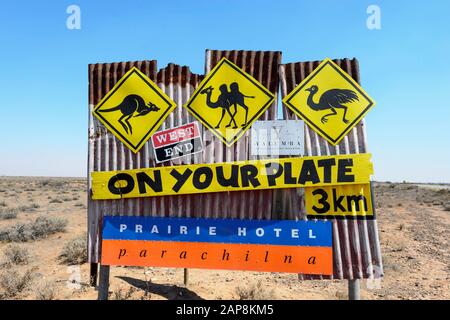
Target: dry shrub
x,y
8,214
16,255
120,294
31,207
13,282
46,291
41,228
56,200
255,292
52,183
75,251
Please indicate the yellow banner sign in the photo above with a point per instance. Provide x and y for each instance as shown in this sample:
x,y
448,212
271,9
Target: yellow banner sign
x,y
134,109
228,101
354,200
234,176
330,101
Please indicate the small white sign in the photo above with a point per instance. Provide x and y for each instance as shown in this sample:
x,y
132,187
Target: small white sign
x,y
278,137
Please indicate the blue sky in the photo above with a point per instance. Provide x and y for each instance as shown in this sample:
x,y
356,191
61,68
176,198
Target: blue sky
x,y
404,67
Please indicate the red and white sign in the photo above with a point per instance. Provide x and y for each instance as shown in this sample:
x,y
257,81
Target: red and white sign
x,y
177,142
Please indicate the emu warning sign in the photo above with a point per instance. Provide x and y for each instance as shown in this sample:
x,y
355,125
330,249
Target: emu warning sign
x,y
330,101
228,101
134,109
233,244
234,176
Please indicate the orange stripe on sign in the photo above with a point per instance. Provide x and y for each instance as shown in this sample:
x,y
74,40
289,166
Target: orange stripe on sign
x,y
206,255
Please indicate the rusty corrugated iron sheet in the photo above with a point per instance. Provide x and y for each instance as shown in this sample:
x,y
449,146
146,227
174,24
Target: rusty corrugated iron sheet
x,y
107,153
356,246
263,66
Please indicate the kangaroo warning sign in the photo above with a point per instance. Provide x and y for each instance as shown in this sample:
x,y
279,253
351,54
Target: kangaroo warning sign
x,y
228,101
177,142
330,101
134,109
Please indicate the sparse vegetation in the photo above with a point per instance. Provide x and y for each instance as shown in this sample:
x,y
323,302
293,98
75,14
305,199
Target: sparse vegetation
x,y
8,214
120,294
16,255
55,200
255,292
28,208
13,282
42,227
3,204
52,183
75,251
46,291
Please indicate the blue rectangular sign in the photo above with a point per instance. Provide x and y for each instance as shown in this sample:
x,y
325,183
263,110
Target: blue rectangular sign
x,y
274,232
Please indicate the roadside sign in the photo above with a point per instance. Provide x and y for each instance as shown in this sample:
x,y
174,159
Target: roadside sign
x,y
278,137
232,176
177,142
339,201
134,109
330,101
228,101
231,244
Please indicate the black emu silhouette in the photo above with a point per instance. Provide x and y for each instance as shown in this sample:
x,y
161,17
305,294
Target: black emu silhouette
x,y
131,104
226,100
332,99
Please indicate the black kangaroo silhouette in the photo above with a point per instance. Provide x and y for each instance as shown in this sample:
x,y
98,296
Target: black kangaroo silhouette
x,y
227,99
332,99
131,104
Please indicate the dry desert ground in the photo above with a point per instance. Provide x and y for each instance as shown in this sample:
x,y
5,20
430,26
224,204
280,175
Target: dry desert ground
x,y
43,255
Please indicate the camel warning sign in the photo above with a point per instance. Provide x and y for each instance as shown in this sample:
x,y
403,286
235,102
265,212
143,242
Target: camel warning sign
x,y
330,101
228,101
134,109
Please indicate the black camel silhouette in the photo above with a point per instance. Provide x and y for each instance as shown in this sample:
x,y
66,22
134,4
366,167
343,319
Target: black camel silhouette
x,y
332,99
237,98
131,104
226,100
221,102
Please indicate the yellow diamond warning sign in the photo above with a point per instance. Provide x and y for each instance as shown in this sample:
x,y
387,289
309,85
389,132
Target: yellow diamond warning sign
x,y
134,109
228,101
330,101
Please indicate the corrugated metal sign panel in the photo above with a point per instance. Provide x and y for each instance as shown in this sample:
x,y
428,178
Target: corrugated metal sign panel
x,y
263,66
107,153
356,247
